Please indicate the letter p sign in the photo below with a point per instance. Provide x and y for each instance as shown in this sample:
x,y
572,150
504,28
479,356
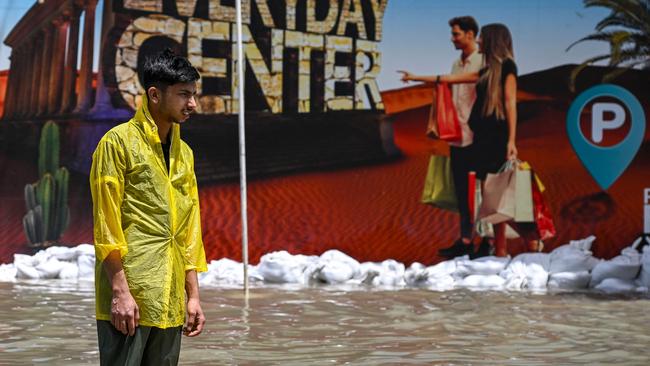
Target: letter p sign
x,y
600,124
606,163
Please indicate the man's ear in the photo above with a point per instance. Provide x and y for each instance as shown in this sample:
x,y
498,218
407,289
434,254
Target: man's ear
x,y
154,94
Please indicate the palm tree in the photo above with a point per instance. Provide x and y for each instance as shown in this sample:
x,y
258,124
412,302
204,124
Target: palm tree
x,y
627,30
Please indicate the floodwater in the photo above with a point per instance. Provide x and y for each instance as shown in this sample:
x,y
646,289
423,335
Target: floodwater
x,y
52,323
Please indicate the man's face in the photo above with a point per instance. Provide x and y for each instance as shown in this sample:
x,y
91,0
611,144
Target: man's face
x,y
460,38
178,101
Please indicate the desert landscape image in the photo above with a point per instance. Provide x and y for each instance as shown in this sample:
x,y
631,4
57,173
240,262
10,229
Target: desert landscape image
x,y
373,212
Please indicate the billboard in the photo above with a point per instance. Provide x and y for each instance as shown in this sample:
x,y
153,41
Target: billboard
x,y
337,143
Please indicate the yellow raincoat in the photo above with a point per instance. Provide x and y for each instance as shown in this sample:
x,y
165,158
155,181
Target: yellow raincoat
x,y
150,215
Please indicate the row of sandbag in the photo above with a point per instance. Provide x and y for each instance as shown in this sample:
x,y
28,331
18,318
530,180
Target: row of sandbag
x,y
568,267
52,263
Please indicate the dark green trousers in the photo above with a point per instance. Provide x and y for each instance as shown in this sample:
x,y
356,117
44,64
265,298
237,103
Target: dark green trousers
x,y
148,346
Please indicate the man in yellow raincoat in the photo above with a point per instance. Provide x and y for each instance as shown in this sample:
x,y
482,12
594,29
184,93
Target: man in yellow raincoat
x,y
147,224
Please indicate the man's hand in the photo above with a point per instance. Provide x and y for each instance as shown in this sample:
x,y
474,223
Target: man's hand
x,y
406,76
195,318
125,314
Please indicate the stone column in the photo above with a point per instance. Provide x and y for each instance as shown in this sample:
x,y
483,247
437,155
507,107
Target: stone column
x,y
103,107
13,84
58,64
29,77
84,100
45,70
36,72
70,74
17,71
21,88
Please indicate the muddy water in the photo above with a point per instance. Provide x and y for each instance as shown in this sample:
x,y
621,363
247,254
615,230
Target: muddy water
x,y
53,324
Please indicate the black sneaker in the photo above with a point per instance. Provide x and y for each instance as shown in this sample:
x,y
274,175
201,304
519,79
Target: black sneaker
x,y
484,250
456,250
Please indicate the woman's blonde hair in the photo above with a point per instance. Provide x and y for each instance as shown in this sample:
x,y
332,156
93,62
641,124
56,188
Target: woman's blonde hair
x,y
496,47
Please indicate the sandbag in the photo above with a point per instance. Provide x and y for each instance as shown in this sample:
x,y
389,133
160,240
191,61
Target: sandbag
x,y
616,286
541,259
484,266
623,267
7,272
569,280
69,271
25,271
573,257
483,282
64,253
392,273
337,267
50,269
281,267
527,271
86,264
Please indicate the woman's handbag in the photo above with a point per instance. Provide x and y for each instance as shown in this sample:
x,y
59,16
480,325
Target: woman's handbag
x,y
483,229
439,188
507,195
498,197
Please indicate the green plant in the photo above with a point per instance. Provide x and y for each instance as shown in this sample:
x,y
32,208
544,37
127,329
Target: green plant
x,y
627,30
46,200
48,149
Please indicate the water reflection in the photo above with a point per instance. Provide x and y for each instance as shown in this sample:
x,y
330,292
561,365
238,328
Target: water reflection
x,y
53,323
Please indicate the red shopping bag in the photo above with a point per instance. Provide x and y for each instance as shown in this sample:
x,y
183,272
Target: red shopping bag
x,y
447,119
471,195
543,218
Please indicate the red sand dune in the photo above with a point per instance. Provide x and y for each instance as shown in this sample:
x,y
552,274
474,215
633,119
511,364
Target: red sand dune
x,y
373,212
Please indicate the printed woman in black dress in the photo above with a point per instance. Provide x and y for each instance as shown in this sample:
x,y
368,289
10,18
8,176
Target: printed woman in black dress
x,y
494,114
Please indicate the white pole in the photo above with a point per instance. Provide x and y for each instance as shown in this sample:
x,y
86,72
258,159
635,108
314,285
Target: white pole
x,y
645,237
242,146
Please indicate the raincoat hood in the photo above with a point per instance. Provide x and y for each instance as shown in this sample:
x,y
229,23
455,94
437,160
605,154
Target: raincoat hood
x,y
144,122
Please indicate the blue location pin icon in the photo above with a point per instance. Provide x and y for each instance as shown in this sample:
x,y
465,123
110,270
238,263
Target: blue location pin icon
x,y
606,164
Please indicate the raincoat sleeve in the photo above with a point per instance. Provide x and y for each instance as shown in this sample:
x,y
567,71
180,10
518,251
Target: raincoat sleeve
x,y
107,189
194,252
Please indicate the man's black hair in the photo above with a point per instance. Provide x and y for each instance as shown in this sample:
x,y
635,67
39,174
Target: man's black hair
x,y
465,23
166,68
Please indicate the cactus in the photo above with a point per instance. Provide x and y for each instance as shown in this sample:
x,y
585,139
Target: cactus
x,y
30,226
30,197
32,223
61,211
48,149
46,200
